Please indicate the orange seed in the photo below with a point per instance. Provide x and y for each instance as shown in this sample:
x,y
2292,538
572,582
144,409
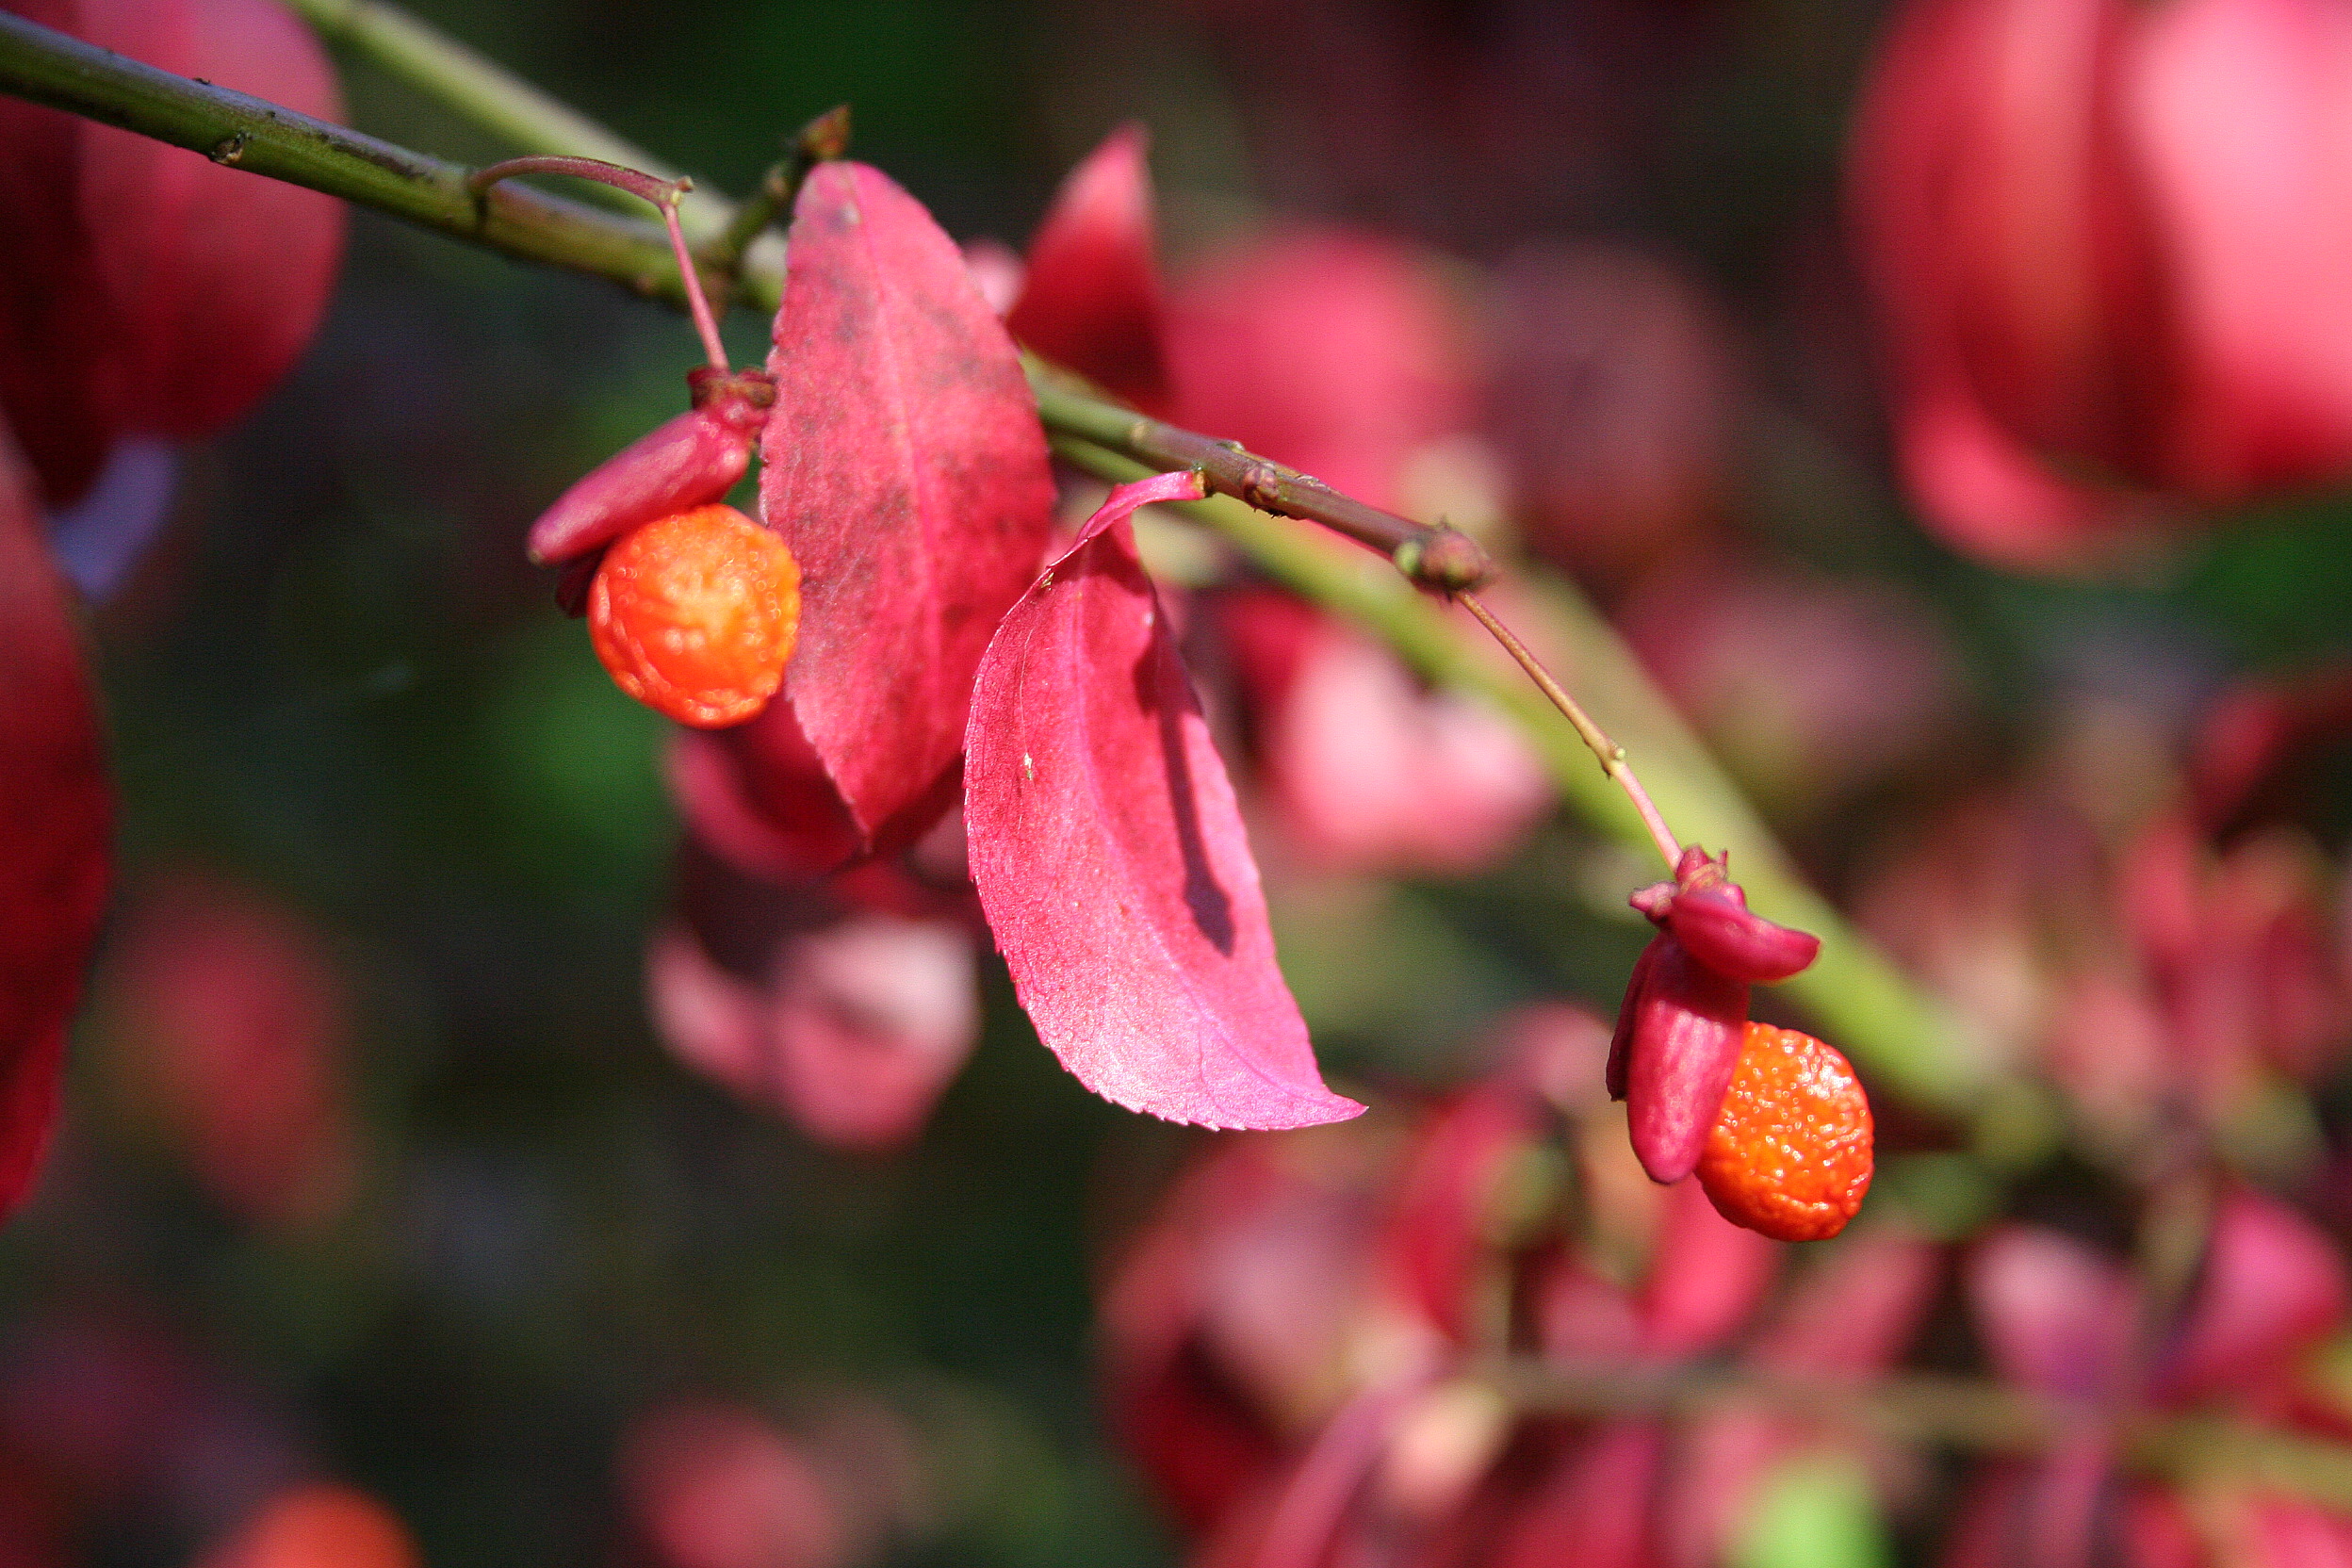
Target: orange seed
x,y
1790,1154
696,613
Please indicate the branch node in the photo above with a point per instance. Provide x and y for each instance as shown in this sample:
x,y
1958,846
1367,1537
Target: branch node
x,y
824,137
1444,558
1262,485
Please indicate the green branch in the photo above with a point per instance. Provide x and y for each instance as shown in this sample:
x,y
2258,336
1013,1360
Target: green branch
x,y
1908,1044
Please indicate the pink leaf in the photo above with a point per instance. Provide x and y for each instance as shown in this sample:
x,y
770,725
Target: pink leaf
x,y
56,817
905,468
857,1029
1091,300
1110,857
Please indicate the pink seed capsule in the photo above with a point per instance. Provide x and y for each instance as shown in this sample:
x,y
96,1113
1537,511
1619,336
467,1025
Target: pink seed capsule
x,y
1684,1046
1621,1039
1715,924
690,460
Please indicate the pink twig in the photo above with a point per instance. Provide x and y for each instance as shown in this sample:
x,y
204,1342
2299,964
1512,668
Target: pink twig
x,y
662,193
1613,756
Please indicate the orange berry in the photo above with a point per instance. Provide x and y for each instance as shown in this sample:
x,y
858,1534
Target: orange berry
x,y
696,613
1790,1153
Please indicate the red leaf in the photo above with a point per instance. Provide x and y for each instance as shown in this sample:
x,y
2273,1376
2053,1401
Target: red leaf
x,y
216,279
51,307
233,1031
144,289
1111,860
1091,298
55,816
905,468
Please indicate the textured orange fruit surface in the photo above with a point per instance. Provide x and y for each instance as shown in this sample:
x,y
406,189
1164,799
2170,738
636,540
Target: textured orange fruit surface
x,y
1790,1156
696,614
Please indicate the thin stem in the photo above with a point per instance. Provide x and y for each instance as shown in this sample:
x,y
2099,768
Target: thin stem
x,y
1612,755
657,189
705,322
663,194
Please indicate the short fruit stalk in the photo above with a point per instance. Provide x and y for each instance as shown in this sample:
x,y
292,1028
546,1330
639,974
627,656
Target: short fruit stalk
x,y
1773,1122
693,607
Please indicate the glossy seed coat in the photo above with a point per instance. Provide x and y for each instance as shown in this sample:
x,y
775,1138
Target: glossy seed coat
x,y
1790,1156
696,613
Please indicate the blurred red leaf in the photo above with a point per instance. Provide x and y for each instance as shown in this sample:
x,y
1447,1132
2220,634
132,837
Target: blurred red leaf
x,y
2056,1316
1226,1324
50,307
1614,400
757,796
1988,276
2237,105
1439,1245
2273,1285
1706,1277
1111,860
55,818
1594,1508
905,468
717,1486
230,1028
150,290
1373,770
1091,298
216,279
1336,351
2105,240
